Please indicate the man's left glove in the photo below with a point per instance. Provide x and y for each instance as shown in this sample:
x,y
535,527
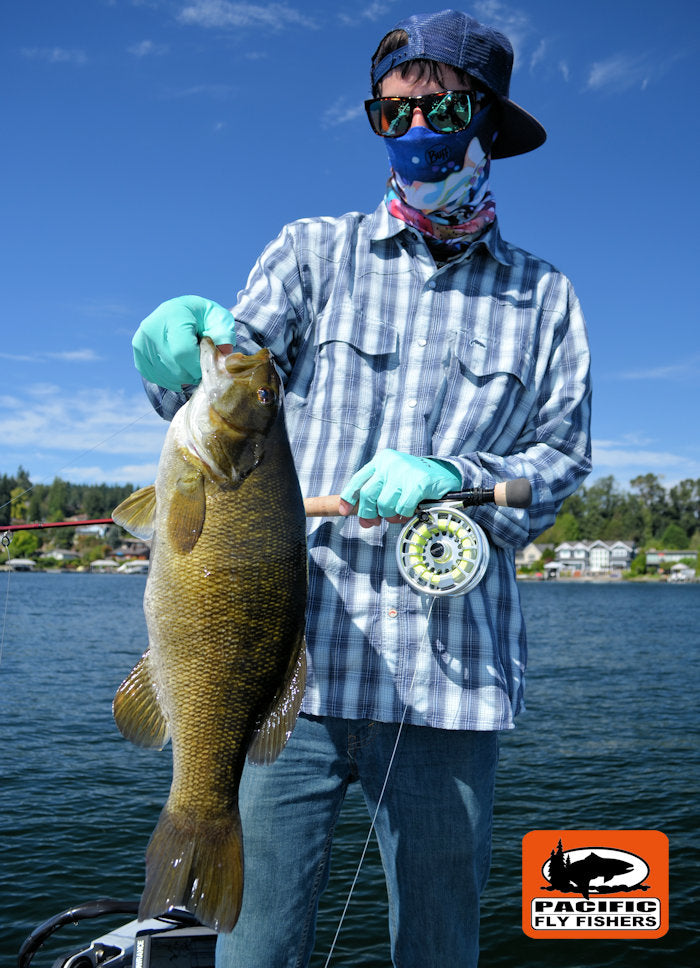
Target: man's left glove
x,y
166,344
393,484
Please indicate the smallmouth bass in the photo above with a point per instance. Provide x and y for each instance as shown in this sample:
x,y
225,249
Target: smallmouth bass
x,y
224,672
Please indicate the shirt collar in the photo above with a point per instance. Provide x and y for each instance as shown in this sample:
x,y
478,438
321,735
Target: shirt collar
x,y
384,226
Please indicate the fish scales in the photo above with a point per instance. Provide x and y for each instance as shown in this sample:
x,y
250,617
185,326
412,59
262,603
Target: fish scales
x,y
224,604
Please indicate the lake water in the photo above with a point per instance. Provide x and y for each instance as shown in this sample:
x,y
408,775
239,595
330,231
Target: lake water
x,y
609,740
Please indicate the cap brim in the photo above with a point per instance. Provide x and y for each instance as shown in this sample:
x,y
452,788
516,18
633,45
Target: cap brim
x,y
518,133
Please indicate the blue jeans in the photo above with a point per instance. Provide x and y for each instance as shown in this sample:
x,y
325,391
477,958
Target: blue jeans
x,y
433,829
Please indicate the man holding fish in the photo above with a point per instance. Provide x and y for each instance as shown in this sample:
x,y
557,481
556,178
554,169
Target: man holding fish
x,y
420,354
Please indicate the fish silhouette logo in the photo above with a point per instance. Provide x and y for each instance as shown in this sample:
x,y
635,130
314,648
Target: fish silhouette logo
x,y
597,870
595,884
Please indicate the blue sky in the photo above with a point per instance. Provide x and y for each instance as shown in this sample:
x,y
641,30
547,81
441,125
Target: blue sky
x,y
152,148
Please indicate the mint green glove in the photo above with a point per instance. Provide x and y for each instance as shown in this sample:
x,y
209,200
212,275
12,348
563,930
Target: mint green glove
x,y
166,344
393,483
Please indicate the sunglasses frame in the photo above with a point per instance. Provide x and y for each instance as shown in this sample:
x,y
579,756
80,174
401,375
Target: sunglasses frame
x,y
422,101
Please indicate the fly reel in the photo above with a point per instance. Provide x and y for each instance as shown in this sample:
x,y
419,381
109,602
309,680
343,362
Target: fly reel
x,y
441,551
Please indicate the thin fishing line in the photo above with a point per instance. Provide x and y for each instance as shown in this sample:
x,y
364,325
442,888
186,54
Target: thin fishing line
x,y
381,797
78,457
5,541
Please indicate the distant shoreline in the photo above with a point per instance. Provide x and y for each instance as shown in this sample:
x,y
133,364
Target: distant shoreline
x,y
529,579
608,580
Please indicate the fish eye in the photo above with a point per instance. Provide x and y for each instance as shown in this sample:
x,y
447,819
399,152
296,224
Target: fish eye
x,y
266,396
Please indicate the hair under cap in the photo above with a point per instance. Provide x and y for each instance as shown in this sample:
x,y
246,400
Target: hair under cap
x,y
454,38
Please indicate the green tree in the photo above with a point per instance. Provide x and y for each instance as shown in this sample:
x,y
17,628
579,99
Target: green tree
x,y
565,528
6,485
18,505
602,501
24,544
674,538
58,500
655,505
638,565
684,498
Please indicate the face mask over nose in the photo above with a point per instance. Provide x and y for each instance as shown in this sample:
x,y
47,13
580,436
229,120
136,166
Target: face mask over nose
x,y
435,172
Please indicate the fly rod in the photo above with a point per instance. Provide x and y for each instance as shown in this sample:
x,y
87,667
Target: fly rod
x,y
509,494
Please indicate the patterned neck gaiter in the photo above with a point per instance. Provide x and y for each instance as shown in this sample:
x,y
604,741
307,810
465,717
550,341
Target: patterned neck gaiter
x,y
440,182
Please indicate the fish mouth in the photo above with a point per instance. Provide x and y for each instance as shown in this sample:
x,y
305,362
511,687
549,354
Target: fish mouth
x,y
236,364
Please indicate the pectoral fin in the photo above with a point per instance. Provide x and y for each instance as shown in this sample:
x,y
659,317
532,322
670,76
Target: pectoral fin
x,y
138,513
187,510
270,738
136,709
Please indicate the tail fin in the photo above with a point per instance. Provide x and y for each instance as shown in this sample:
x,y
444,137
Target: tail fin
x,y
195,864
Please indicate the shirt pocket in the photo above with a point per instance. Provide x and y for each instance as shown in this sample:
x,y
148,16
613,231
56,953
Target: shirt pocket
x,y
349,357
485,395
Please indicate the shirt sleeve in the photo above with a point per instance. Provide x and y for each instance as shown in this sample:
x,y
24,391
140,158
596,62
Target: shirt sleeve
x,y
268,313
553,451
166,403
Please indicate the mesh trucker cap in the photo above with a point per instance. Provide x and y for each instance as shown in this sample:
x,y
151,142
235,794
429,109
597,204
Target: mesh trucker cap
x,y
454,38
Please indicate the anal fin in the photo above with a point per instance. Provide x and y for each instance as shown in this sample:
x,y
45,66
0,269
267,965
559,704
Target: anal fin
x,y
271,736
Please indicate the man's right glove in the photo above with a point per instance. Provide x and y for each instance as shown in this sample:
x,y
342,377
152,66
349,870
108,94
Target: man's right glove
x,y
166,344
393,483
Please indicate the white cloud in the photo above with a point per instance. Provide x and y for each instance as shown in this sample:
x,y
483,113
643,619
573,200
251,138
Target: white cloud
x,y
136,474
44,423
619,72
55,55
146,48
341,112
67,356
511,21
218,91
373,11
633,456
18,357
225,13
538,53
689,368
76,356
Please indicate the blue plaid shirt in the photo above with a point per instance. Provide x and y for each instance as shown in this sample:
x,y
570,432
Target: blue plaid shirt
x,y
483,361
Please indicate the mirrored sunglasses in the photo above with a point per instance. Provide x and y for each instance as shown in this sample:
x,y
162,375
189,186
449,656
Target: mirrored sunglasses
x,y
444,112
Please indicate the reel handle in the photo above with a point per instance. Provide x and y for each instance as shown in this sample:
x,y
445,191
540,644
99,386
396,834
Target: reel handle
x,y
506,494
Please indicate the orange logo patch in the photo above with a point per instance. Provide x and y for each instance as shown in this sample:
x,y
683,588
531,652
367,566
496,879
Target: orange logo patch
x,y
595,884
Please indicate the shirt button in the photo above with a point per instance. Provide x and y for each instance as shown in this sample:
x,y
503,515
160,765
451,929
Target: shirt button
x,y
422,342
392,613
432,284
412,403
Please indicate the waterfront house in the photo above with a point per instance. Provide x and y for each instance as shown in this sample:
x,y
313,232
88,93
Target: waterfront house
x,y
133,548
594,557
104,564
63,554
21,564
524,557
656,558
681,572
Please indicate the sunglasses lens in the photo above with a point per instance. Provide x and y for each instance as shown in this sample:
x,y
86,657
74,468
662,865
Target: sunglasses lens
x,y
390,117
451,112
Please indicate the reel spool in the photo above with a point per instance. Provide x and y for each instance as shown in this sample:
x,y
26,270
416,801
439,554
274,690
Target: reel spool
x,y
441,551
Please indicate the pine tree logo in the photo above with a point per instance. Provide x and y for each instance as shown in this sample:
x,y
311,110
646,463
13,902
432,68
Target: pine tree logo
x,y
594,870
